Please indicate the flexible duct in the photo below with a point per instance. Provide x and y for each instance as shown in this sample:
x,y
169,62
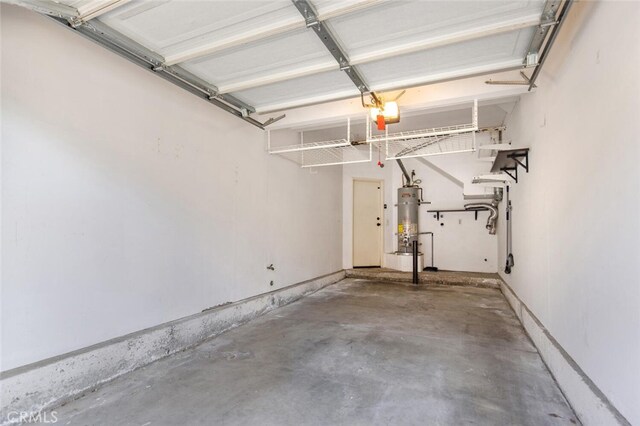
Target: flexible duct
x,y
493,214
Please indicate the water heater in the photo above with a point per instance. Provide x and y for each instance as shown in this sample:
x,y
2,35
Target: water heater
x,y
408,204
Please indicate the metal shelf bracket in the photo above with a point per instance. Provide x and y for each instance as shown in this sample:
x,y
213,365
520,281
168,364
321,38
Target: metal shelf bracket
x,y
508,162
517,158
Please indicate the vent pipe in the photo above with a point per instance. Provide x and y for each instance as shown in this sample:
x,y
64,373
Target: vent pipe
x,y
493,214
404,172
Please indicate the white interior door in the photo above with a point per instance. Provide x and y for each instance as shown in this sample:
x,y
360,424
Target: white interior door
x,y
367,223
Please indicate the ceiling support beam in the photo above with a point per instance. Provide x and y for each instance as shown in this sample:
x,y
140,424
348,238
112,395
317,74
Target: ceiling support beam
x,y
377,55
312,21
263,32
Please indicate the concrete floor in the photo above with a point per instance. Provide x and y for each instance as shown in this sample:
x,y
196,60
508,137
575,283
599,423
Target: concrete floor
x,y
467,279
358,353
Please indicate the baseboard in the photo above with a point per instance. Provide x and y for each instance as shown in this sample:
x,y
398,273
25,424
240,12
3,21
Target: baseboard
x,y
589,403
48,383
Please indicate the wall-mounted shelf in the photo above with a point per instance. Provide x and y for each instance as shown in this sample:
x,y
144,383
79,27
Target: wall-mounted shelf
x,y
508,161
472,210
497,178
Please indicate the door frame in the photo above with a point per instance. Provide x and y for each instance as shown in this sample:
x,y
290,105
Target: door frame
x,y
353,217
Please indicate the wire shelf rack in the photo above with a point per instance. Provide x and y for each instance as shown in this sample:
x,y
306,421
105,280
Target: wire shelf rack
x,y
451,143
324,153
407,144
309,146
432,141
331,155
424,133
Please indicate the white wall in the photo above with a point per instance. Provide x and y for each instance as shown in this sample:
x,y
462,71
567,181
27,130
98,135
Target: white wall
x,y
460,244
576,215
127,202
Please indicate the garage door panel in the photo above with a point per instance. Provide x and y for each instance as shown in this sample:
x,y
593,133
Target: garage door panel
x,y
398,23
317,86
168,27
498,49
300,48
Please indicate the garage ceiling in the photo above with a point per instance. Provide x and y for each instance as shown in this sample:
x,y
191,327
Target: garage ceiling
x,y
264,56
